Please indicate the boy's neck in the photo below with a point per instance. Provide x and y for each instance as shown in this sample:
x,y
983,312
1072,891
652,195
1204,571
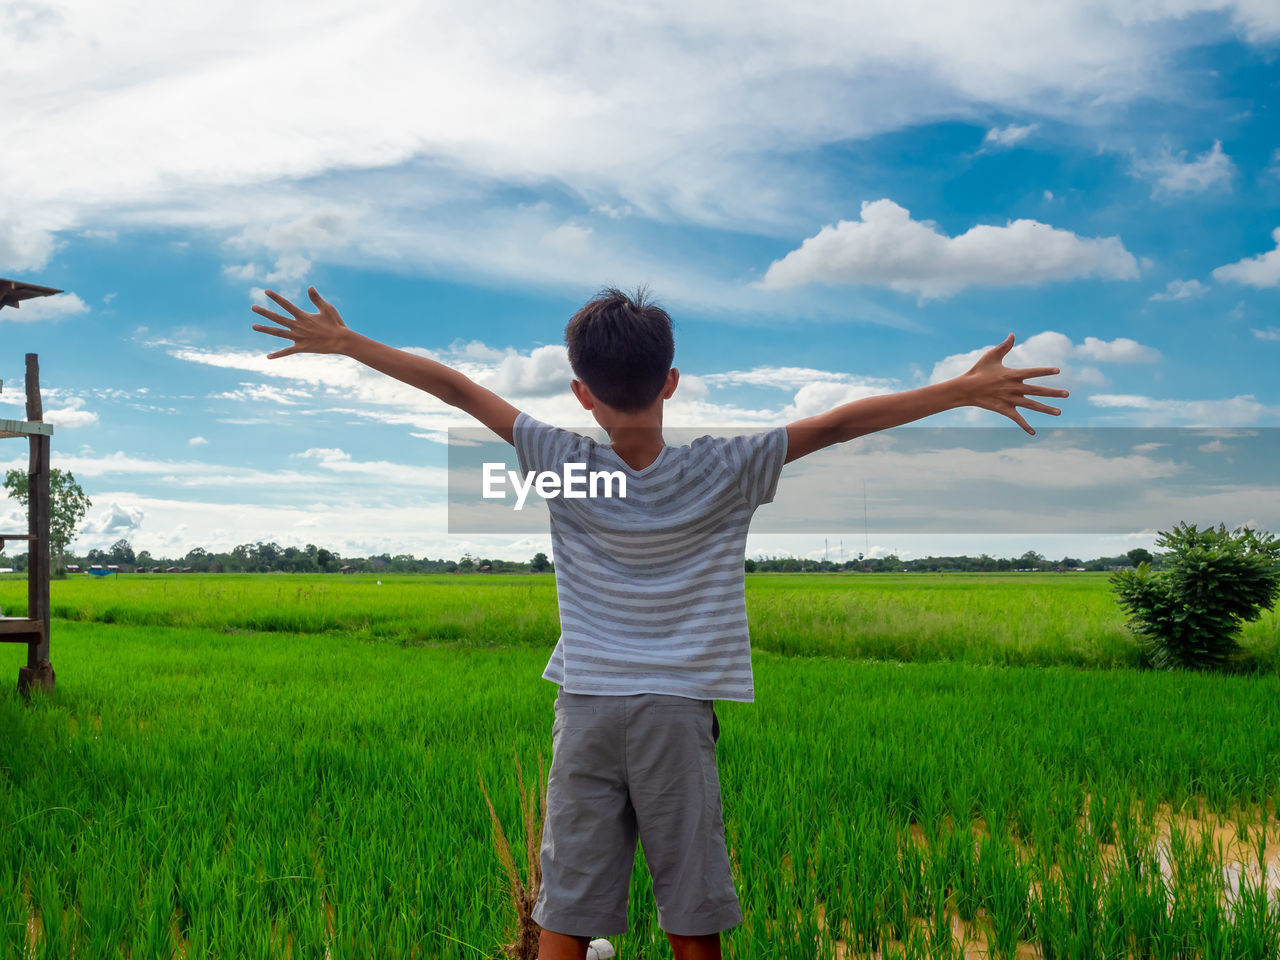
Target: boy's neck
x,y
636,437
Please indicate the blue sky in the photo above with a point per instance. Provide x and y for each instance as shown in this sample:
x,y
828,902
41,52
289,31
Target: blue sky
x,y
832,204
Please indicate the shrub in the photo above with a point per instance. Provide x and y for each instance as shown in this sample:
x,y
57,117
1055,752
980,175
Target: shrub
x,y
1214,580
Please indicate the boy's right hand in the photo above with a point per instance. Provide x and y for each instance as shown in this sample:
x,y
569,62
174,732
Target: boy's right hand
x,y
320,332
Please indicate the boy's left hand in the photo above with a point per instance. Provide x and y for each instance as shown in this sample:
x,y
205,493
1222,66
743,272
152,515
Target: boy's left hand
x,y
993,386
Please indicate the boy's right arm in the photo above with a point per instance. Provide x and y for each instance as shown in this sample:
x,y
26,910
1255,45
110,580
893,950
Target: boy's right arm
x,y
324,332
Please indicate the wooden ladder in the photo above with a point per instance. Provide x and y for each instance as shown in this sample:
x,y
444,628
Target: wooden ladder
x,y
33,629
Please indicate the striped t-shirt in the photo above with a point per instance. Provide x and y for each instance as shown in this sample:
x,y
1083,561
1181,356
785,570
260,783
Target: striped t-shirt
x,y
651,586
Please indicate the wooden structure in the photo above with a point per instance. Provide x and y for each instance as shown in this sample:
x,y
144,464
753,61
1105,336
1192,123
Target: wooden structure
x,y
33,629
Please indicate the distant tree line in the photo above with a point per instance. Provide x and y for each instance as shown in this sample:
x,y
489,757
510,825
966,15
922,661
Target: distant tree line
x,y
270,557
1029,561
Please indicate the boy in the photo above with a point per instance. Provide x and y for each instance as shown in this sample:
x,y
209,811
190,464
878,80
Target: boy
x,y
652,608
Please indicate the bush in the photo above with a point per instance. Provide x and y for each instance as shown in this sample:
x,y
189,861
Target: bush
x,y
1213,582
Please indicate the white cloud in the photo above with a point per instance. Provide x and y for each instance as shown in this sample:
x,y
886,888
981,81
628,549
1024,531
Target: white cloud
x,y
110,522
1241,410
1271,333
254,126
887,247
1181,290
1053,349
788,378
309,232
1260,271
23,245
289,269
543,371
1010,135
819,397
172,525
1119,350
70,416
241,271
1176,175
44,309
197,442
383,471
264,393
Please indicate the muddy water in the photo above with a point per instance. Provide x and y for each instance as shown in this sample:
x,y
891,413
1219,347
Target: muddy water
x,y
1239,859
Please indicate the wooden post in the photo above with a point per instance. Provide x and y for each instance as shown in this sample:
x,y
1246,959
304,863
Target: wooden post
x,y
39,670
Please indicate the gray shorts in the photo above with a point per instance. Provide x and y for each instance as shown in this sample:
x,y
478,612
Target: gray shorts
x,y
621,767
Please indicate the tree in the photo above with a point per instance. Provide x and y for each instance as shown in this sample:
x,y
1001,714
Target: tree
x,y
122,553
1138,556
67,506
1213,582
540,563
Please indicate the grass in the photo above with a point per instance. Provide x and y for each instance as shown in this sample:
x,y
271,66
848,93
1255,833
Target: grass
x,y
1042,619
242,793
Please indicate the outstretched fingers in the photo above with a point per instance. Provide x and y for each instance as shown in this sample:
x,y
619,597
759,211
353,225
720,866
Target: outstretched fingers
x,y
1038,406
274,331
1036,372
1016,417
272,315
288,351
297,312
1039,391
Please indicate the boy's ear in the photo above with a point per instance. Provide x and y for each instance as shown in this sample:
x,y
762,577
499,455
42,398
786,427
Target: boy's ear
x,y
673,377
583,393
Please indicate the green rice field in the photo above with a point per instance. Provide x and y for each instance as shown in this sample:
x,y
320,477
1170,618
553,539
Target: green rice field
x,y
936,766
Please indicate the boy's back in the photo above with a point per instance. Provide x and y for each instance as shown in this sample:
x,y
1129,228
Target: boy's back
x,y
651,585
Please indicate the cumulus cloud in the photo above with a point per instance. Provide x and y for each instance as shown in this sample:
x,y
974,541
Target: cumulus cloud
x,y
1181,290
1174,174
821,396
1010,135
1260,271
23,246
110,522
887,247
44,309
543,371
1270,333
72,415
197,442
1053,349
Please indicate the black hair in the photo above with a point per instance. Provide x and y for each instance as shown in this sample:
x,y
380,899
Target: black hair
x,y
621,347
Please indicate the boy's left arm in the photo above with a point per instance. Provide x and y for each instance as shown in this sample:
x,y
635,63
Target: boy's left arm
x,y
988,384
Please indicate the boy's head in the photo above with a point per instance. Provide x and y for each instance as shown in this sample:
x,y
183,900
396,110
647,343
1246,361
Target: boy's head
x,y
621,347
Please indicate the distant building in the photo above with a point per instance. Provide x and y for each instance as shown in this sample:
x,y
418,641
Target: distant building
x,y
73,568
